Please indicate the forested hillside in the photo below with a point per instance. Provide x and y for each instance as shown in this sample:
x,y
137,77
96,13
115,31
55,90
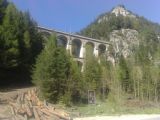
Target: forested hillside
x,y
135,52
134,74
20,43
107,22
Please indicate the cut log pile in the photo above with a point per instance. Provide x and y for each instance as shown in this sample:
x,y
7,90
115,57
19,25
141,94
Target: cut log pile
x,y
28,106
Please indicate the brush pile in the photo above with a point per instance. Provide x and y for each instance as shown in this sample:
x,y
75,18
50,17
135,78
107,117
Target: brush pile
x,y
27,106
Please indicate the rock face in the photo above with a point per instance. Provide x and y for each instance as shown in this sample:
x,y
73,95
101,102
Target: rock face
x,y
120,10
120,27
117,11
124,42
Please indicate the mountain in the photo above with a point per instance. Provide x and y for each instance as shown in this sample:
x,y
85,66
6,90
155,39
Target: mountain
x,y
117,11
116,19
120,10
125,30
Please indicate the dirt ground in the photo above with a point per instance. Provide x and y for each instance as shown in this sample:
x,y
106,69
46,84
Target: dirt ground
x,y
5,111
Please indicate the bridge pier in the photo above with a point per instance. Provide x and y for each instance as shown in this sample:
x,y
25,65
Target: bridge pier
x,y
82,50
69,47
95,52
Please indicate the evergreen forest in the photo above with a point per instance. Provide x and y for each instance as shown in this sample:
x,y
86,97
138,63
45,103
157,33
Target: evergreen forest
x,y
29,58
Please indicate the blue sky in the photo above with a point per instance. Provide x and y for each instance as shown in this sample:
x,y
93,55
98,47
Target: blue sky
x,y
73,15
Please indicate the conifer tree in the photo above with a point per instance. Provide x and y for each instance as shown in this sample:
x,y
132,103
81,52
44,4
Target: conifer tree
x,y
3,5
20,43
92,71
51,71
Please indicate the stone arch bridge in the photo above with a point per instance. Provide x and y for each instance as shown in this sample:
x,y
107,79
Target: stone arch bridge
x,y
75,44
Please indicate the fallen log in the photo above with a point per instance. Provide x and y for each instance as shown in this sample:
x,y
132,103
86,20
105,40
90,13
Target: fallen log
x,y
49,116
25,117
61,115
39,112
14,105
46,112
36,114
21,111
12,110
28,105
19,99
20,117
54,113
22,98
28,110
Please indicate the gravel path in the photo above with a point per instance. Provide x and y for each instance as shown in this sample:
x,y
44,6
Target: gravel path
x,y
123,117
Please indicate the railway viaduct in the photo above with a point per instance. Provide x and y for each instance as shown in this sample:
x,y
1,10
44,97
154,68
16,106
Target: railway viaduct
x,y
75,44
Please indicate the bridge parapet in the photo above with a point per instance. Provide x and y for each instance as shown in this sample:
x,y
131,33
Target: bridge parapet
x,y
42,29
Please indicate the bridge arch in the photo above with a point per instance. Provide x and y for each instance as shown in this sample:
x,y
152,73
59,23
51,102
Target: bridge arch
x,y
101,49
45,34
91,46
62,41
76,47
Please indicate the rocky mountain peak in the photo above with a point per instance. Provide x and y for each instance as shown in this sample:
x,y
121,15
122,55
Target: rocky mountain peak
x,y
121,10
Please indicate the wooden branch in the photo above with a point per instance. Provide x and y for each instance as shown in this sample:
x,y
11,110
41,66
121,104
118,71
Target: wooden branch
x,y
12,110
36,114
28,105
28,110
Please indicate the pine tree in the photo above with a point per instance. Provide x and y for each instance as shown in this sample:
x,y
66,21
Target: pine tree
x,y
51,71
10,37
105,77
92,71
3,5
74,84
20,43
124,75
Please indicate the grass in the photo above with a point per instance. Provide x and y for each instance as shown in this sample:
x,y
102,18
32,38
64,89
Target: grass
x,y
110,108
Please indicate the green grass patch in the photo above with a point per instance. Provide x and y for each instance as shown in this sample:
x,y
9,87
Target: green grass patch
x,y
110,108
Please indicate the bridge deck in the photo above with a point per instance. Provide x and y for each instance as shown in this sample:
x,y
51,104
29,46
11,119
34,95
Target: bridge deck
x,y
74,35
